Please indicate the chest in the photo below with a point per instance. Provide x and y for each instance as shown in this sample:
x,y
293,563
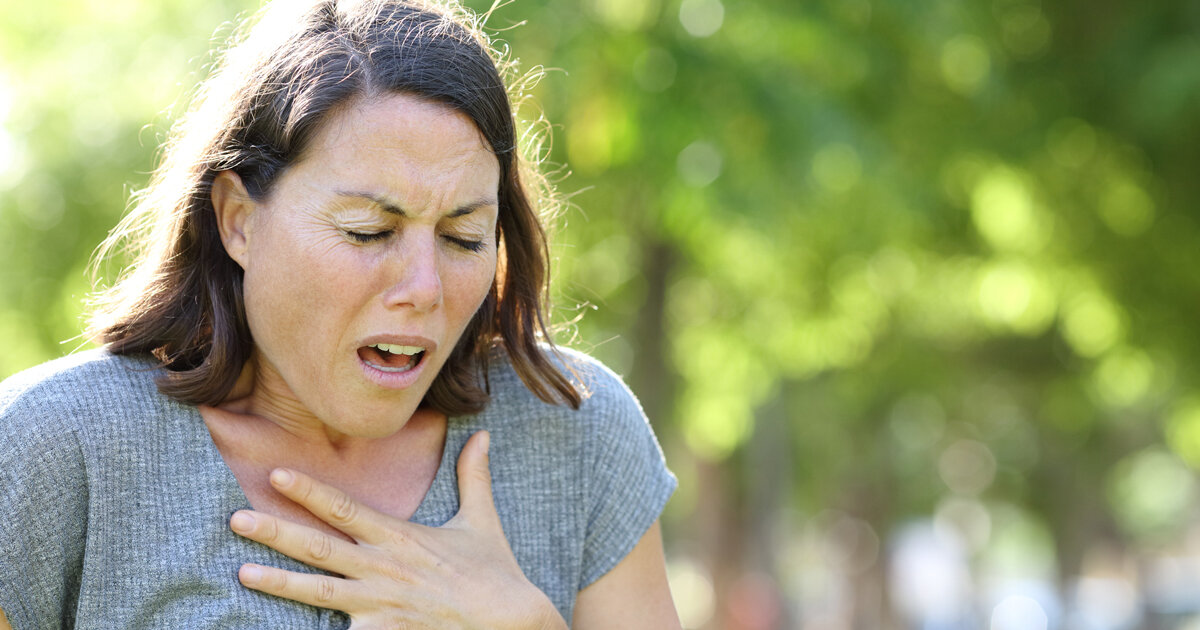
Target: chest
x,y
161,553
393,478
398,496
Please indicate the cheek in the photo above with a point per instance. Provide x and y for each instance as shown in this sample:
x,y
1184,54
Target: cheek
x,y
470,285
295,286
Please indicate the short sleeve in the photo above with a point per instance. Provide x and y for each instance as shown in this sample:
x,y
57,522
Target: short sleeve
x,y
44,493
628,479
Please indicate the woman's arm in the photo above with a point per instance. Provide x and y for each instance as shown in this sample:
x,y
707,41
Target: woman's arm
x,y
634,594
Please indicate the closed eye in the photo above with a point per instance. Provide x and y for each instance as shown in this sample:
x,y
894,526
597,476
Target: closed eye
x,y
466,243
368,237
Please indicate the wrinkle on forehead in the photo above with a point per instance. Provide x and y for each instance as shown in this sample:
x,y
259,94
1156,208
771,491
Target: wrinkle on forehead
x,y
428,152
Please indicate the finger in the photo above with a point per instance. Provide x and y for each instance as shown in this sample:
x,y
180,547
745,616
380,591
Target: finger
x,y
334,506
322,591
310,546
475,479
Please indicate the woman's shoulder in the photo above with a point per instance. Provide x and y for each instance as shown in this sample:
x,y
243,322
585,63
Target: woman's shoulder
x,y
93,380
602,390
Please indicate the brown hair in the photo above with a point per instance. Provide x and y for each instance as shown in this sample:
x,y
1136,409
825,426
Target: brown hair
x,y
181,299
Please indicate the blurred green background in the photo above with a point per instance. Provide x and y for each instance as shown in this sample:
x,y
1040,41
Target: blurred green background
x,y
908,289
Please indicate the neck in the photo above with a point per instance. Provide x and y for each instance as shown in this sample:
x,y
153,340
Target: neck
x,y
262,394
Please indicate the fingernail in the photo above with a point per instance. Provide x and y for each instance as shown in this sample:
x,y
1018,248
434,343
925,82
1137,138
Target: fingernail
x,y
241,522
281,477
487,442
250,574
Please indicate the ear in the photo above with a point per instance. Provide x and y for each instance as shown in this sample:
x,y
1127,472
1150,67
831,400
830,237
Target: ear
x,y
233,207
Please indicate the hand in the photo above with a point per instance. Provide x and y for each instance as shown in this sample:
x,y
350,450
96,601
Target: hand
x,y
399,574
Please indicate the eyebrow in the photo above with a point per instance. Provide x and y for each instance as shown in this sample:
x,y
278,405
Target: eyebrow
x,y
391,207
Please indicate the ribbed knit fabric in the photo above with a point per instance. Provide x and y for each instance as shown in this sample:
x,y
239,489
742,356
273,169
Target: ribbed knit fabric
x,y
116,501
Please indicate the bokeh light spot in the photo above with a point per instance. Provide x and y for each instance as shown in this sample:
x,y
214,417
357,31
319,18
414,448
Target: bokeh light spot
x,y
701,18
917,421
699,164
1025,31
968,467
1092,324
654,69
692,590
1183,431
965,518
1012,296
1126,208
1021,546
9,159
1071,142
852,546
928,576
1150,492
1106,603
39,201
715,425
601,135
1124,377
837,167
625,15
11,153
1019,612
965,64
1002,209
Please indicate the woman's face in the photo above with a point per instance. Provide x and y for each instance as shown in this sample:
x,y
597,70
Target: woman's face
x,y
366,262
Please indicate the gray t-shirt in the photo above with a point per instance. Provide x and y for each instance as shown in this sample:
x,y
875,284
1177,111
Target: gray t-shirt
x,y
116,501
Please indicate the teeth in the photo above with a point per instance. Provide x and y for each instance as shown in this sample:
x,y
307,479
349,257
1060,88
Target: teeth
x,y
398,349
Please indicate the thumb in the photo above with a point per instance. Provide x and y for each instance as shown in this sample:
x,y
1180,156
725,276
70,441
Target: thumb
x,y
475,479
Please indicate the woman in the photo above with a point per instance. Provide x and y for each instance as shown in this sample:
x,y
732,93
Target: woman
x,y
336,296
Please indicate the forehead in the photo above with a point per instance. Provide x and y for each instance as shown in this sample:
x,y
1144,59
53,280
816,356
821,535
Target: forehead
x,y
405,144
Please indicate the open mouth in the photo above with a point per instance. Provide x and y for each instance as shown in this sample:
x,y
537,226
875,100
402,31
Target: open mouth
x,y
390,357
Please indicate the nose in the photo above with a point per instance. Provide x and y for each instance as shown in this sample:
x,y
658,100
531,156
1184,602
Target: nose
x,y
416,280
